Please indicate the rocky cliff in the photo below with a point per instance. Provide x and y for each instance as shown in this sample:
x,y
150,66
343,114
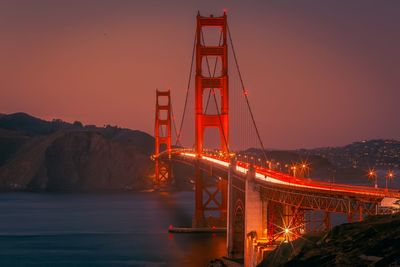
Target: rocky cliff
x,y
56,156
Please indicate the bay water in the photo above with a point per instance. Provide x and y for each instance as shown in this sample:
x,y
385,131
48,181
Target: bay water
x,y
107,229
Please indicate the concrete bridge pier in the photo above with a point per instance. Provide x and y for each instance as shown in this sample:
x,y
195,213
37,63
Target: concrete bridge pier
x,y
236,212
245,219
254,218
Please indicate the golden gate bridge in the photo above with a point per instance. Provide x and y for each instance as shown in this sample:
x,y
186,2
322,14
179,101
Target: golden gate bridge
x,y
258,206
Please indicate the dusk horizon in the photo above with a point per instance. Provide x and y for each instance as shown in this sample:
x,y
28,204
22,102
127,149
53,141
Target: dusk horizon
x,y
150,133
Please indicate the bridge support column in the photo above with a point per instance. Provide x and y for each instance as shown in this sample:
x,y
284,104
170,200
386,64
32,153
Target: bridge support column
x,y
234,249
349,217
253,220
162,136
204,120
210,200
271,221
199,219
327,221
236,214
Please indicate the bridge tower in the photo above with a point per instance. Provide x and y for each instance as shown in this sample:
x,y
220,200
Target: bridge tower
x,y
206,201
162,135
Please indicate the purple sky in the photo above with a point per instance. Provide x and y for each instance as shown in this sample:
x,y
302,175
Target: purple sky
x,y
319,73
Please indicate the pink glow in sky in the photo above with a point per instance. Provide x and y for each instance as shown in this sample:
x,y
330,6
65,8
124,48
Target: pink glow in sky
x,y
319,73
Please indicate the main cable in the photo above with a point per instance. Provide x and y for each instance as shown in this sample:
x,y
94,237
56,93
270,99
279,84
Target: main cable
x,y
187,93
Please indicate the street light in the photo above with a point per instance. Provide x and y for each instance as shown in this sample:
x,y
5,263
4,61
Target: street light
x,y
304,169
389,176
294,170
373,176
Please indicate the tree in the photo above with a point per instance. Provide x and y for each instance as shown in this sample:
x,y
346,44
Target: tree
x,y
78,124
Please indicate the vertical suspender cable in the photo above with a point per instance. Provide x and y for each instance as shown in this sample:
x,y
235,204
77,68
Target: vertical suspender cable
x,y
174,123
245,95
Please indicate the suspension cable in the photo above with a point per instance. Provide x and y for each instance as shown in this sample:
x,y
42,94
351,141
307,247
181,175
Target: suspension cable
x,y
174,124
187,93
245,95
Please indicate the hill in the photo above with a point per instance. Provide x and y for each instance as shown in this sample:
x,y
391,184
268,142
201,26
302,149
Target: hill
x,y
29,125
378,153
41,155
346,164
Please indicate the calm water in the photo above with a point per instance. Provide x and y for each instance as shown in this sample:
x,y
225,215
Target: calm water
x,y
128,229
101,230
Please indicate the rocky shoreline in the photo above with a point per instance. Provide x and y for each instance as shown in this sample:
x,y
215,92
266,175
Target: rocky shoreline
x,y
373,242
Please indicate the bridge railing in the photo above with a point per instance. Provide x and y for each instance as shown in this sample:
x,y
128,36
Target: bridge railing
x,y
381,192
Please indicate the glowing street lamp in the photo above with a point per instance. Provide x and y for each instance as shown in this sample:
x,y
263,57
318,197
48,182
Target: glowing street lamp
x,y
389,176
373,176
305,169
294,168
286,235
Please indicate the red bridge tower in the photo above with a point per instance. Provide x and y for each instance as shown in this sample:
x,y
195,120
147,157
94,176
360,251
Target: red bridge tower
x,y
162,134
208,205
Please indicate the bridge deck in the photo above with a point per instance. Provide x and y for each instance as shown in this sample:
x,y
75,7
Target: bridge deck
x,y
270,178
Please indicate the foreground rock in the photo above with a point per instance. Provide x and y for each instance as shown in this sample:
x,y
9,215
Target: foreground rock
x,y
374,242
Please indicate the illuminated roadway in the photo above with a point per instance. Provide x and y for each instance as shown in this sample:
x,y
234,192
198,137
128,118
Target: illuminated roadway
x,y
270,177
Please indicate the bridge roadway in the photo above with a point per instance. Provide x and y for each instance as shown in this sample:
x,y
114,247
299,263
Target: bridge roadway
x,y
294,191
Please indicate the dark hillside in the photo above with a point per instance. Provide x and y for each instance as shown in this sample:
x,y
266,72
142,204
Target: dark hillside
x,y
10,142
29,125
40,155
